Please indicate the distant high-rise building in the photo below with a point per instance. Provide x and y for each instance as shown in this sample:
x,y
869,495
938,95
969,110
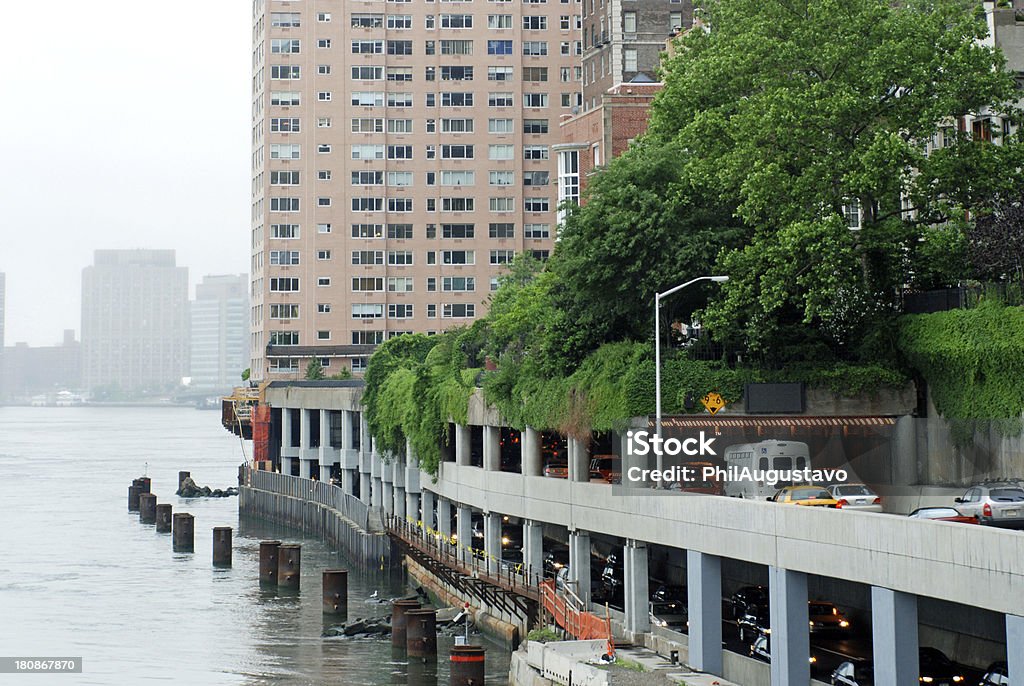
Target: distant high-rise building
x,y
401,159
219,338
134,322
26,371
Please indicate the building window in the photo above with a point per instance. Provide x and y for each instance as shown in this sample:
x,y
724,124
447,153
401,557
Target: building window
x,y
535,152
284,338
458,311
323,281
323,122
535,48
502,256
284,231
323,228
367,337
400,258
400,284
500,126
501,230
323,308
537,231
284,258
629,22
368,125
367,231
399,231
323,202
502,204
500,47
629,59
400,311
458,284
286,365
323,336
323,254
535,99
284,311
499,21
367,311
500,100
367,284
367,257
467,257
536,205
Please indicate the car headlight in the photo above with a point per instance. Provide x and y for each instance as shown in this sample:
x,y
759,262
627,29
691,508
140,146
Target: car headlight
x,y
957,679
558,565
767,632
660,622
505,540
926,679
844,624
810,623
813,659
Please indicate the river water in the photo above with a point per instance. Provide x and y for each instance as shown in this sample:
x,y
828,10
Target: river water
x,y
80,576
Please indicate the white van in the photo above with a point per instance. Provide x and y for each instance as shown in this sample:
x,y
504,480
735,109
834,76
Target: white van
x,y
770,454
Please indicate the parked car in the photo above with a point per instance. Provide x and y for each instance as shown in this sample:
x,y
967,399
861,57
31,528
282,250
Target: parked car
x,y
825,618
997,503
557,469
808,496
607,468
851,673
942,514
668,615
762,649
937,669
747,596
755,621
669,593
855,497
997,674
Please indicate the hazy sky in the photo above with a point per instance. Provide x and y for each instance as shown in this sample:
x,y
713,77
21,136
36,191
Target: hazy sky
x,y
125,125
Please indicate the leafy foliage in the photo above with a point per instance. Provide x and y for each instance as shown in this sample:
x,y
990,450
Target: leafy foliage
x,y
314,370
995,245
972,360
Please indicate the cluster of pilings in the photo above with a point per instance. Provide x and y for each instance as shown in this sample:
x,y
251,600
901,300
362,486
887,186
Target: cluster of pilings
x,y
181,525
413,627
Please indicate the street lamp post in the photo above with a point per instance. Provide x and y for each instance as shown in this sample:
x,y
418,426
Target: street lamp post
x,y
657,357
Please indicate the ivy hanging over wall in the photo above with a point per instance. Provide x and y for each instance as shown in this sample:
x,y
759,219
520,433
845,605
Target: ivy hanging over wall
x,y
973,361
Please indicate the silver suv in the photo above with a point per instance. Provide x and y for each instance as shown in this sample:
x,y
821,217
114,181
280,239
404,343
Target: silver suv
x,y
995,503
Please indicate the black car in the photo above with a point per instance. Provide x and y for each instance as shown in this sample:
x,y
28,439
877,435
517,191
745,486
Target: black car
x,y
669,593
747,596
997,674
753,623
937,669
850,673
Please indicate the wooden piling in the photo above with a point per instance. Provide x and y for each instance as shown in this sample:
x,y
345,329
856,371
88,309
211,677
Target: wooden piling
x,y
289,564
163,518
147,508
222,546
336,592
268,561
183,534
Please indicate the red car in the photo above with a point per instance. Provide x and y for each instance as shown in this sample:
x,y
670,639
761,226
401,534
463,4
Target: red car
x,y
942,514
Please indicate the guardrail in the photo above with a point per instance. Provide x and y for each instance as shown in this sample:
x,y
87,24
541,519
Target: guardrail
x,y
578,623
311,490
515,577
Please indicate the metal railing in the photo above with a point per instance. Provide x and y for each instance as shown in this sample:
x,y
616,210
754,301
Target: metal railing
x,y
515,577
311,490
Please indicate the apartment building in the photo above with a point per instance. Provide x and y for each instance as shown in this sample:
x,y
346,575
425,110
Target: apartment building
x,y
219,340
623,41
135,322
402,156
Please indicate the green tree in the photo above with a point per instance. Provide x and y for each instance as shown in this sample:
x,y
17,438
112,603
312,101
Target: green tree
x,y
645,227
314,370
800,112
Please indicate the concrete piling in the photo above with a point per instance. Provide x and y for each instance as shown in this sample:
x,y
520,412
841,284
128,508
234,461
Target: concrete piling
x,y
222,546
183,534
268,561
133,498
289,563
398,621
421,633
335,591
163,518
467,666
147,508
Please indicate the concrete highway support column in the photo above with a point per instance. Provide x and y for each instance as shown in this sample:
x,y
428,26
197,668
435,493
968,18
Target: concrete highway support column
x,y
492,448
286,441
387,490
1015,648
463,438
492,541
412,506
377,494
704,606
579,563
790,638
579,460
636,587
444,517
328,456
532,461
464,522
533,550
398,475
427,503
894,636
305,442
